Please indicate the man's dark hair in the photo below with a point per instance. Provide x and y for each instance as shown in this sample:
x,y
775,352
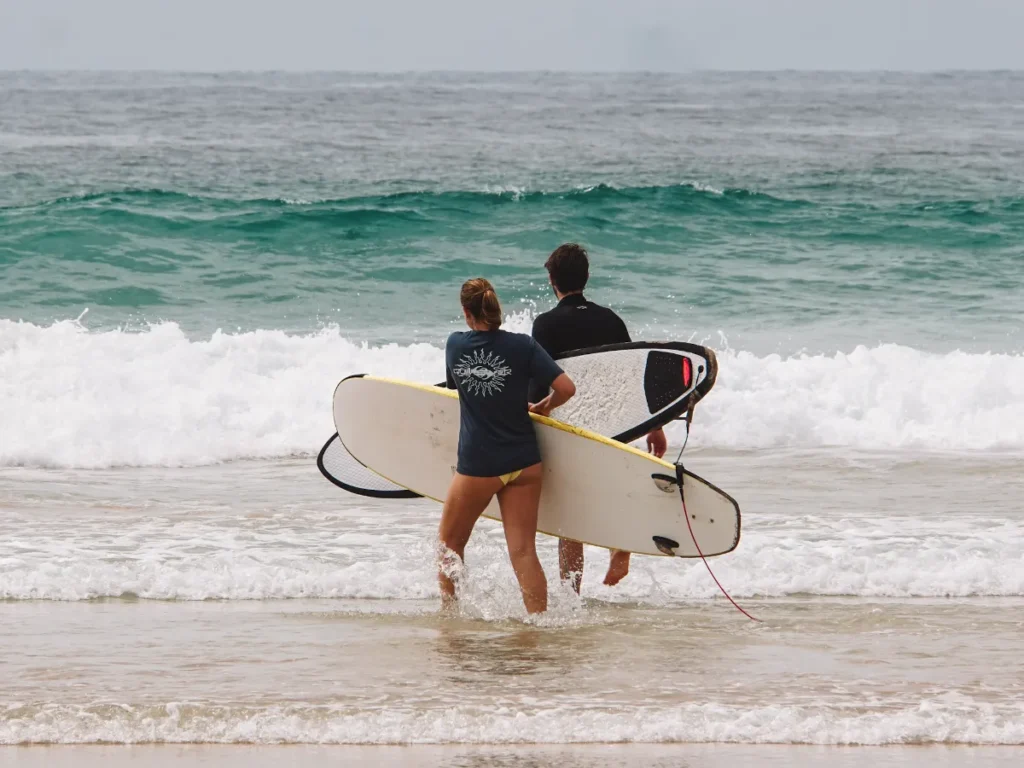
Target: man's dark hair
x,y
568,267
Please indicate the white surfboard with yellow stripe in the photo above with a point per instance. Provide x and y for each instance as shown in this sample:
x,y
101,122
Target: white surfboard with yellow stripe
x,y
595,490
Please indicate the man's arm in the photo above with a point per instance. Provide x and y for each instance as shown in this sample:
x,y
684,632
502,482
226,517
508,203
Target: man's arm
x,y
541,333
542,336
623,332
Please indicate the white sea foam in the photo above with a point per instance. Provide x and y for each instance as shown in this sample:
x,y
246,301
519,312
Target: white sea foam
x,y
949,719
70,397
388,554
702,187
886,397
74,398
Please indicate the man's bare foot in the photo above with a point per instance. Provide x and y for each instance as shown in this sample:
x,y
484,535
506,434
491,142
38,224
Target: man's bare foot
x,y
618,567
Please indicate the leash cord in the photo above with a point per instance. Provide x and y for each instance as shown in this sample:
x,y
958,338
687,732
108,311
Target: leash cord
x,y
689,419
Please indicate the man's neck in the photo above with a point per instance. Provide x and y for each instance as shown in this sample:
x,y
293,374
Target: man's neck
x,y
559,295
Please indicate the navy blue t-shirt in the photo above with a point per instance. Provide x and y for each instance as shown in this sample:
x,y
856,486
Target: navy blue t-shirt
x,y
492,372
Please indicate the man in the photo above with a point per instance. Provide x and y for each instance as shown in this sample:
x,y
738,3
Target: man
x,y
576,324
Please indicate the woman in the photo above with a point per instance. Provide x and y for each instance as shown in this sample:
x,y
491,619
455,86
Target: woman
x,y
498,451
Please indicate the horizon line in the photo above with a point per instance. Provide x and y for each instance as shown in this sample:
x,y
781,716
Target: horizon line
x,y
693,71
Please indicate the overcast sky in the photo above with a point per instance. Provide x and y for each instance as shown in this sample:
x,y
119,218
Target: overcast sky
x,y
487,35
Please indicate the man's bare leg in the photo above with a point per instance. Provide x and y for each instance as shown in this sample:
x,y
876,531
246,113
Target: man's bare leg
x,y
570,562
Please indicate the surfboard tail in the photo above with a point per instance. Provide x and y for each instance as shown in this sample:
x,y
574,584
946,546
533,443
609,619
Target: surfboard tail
x,y
712,512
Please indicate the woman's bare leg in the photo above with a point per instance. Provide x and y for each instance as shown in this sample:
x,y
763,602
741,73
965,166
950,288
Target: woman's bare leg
x,y
519,501
467,498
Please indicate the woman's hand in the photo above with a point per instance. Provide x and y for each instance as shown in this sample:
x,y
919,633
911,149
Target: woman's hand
x,y
543,408
562,389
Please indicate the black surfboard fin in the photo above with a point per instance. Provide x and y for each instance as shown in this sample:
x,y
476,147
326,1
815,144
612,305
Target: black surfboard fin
x,y
666,483
665,545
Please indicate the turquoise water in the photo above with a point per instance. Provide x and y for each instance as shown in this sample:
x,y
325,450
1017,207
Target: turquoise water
x,y
190,262
782,212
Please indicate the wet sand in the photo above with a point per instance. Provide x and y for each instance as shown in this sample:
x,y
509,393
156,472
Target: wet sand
x,y
254,604
574,756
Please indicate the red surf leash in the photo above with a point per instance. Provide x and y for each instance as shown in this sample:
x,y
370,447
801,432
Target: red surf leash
x,y
694,538
680,475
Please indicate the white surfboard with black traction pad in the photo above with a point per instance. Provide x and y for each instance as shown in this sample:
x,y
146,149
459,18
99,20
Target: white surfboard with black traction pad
x,y
595,490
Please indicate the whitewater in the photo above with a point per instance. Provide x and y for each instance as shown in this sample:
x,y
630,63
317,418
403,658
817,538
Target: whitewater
x,y
76,398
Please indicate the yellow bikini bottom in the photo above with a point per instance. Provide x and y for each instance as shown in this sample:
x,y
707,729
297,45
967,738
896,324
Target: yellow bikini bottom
x,y
510,476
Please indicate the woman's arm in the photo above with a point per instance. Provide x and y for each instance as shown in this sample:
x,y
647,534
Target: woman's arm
x,y
562,389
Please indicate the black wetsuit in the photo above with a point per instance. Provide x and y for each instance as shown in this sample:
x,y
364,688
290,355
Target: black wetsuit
x,y
575,324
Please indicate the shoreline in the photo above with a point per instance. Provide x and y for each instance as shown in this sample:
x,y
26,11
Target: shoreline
x,y
471,756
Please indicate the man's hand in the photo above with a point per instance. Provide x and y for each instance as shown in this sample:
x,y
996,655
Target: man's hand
x,y
657,443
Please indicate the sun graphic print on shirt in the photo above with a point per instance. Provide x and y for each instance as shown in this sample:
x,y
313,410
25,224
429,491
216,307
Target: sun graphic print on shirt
x,y
482,373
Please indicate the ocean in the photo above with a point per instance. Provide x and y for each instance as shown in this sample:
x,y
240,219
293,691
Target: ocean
x,y
190,262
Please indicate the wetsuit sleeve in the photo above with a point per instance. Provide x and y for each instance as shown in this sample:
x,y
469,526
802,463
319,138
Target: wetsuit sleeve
x,y
543,370
542,334
622,333
538,389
